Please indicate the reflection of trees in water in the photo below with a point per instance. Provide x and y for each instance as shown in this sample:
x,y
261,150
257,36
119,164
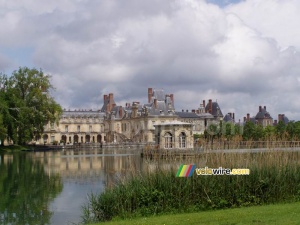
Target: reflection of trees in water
x,y
26,191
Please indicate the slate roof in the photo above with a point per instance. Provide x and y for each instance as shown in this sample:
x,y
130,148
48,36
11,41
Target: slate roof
x,y
286,120
173,123
216,110
81,113
187,115
228,118
263,114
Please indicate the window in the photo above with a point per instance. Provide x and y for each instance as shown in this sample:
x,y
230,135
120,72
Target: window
x,y
66,128
78,128
168,140
123,127
52,139
182,140
90,129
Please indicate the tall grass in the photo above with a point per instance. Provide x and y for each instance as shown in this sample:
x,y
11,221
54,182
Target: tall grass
x,y
274,177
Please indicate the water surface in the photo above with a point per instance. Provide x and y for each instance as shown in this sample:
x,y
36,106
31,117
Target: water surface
x,y
51,187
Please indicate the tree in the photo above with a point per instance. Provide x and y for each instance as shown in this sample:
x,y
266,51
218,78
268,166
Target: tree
x,y
3,108
280,130
269,132
258,133
249,131
28,105
229,129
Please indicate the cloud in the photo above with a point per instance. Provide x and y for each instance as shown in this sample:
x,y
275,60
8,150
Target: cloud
x,y
244,54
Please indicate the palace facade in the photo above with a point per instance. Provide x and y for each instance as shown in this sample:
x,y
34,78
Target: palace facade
x,y
155,122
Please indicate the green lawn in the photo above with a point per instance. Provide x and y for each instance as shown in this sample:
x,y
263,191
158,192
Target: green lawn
x,y
258,215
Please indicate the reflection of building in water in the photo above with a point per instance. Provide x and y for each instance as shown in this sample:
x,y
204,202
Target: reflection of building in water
x,y
88,164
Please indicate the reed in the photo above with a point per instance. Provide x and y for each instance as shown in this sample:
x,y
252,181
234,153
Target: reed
x,y
274,177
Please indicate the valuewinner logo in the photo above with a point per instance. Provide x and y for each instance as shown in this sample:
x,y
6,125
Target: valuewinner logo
x,y
186,170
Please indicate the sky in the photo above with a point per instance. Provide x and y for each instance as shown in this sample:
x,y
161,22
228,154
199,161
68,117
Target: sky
x,y
240,53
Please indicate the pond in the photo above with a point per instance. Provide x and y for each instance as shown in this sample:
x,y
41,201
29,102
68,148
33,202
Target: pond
x,y
51,187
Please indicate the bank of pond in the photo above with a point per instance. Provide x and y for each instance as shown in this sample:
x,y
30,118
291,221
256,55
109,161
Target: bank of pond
x,y
274,177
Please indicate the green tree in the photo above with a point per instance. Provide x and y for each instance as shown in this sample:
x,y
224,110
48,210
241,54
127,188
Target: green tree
x,y
229,129
290,129
269,132
28,104
297,130
258,133
3,107
238,129
249,131
280,130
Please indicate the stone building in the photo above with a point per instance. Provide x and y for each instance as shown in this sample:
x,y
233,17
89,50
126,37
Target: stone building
x,y
155,122
78,126
262,117
137,123
202,117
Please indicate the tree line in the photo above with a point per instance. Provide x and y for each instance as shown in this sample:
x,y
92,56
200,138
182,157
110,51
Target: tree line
x,y
254,132
26,105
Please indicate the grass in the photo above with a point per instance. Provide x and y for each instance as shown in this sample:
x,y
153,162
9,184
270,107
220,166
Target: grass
x,y
287,214
274,178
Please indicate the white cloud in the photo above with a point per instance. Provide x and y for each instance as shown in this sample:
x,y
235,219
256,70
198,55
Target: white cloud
x,y
243,54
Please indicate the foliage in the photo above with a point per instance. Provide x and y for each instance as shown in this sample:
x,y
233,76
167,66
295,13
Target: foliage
x,y
274,177
254,132
26,105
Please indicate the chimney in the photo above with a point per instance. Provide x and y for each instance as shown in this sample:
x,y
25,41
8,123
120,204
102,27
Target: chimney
x,y
172,98
198,111
193,111
259,108
111,97
245,119
149,94
230,114
104,98
155,103
120,111
182,111
248,117
113,105
134,110
265,107
204,103
233,116
275,122
210,105
187,110
280,117
110,101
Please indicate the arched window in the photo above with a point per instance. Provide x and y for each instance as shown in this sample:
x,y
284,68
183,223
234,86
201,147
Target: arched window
x,y
182,140
168,140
